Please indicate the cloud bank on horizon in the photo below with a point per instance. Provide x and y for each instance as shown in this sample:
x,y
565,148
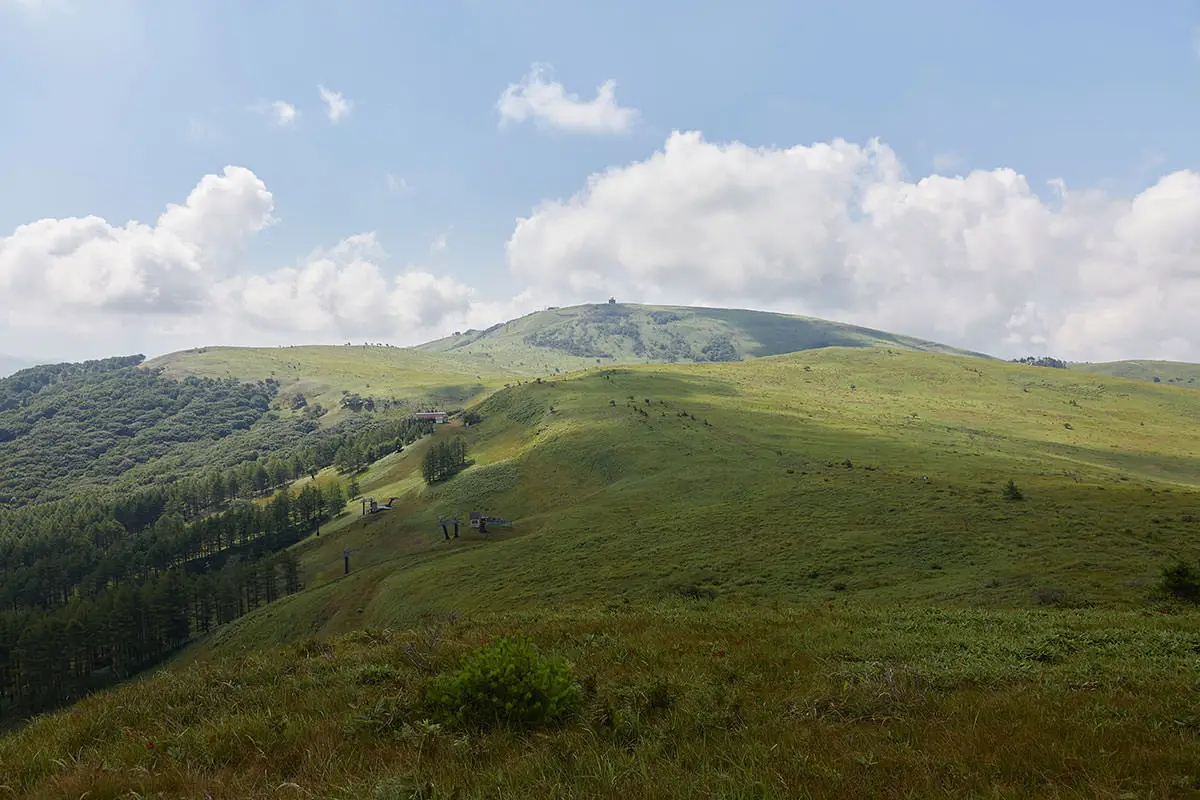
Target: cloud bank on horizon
x,y
831,229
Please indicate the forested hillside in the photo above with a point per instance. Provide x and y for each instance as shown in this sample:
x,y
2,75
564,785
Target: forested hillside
x,y
66,426
141,510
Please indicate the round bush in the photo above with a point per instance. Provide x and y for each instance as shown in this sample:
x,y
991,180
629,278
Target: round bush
x,y
508,682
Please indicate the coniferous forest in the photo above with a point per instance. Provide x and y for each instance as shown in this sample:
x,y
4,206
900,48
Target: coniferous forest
x,y
137,512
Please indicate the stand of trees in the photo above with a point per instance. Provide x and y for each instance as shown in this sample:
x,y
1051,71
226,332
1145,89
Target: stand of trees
x,y
1043,361
77,620
444,460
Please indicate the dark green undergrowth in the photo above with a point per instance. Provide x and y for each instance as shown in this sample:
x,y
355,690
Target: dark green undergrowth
x,y
508,682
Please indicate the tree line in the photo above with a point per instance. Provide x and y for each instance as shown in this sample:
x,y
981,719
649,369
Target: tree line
x,y
444,460
146,595
1041,361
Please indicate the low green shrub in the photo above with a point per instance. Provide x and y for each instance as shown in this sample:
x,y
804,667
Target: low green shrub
x,y
1182,581
509,682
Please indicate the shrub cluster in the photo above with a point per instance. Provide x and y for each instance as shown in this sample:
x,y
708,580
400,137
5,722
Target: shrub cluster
x,y
509,682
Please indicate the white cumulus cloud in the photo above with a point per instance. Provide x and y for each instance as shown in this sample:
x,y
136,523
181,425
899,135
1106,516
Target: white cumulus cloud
x,y
73,265
336,106
838,230
182,281
539,98
345,291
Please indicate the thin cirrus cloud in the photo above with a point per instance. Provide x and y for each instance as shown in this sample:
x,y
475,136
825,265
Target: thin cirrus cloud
x,y
337,106
547,103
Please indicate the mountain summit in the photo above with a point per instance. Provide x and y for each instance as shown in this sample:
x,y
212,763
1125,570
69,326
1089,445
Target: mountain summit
x,y
578,336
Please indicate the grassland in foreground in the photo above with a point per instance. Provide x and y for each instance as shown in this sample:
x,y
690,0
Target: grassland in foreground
x,y
904,630
681,699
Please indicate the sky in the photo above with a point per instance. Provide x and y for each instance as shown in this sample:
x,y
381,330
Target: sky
x,y
1019,178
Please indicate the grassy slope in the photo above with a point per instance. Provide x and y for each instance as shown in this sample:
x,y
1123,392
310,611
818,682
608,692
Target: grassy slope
x,y
871,633
322,373
1172,372
760,505
688,331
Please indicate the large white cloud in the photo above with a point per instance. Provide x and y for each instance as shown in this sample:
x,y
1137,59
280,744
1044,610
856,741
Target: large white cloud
x,y
183,281
838,230
80,265
545,101
345,291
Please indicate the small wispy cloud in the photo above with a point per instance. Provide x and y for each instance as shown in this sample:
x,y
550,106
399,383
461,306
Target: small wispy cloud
x,y
285,113
336,105
396,184
280,113
439,244
544,100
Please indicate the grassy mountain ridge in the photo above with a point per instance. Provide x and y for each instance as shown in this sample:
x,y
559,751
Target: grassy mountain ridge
x,y
324,373
1177,373
576,337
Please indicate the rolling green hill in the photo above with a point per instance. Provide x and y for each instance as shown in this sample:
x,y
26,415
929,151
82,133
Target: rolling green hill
x,y
778,480
790,576
1176,373
577,337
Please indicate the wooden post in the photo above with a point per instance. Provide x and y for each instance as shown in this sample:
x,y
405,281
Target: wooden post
x,y
346,555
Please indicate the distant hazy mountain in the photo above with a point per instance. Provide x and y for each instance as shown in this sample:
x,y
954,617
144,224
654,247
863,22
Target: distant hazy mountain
x,y
11,364
1174,373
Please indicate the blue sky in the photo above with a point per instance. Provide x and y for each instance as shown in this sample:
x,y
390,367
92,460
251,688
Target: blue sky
x,y
117,109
